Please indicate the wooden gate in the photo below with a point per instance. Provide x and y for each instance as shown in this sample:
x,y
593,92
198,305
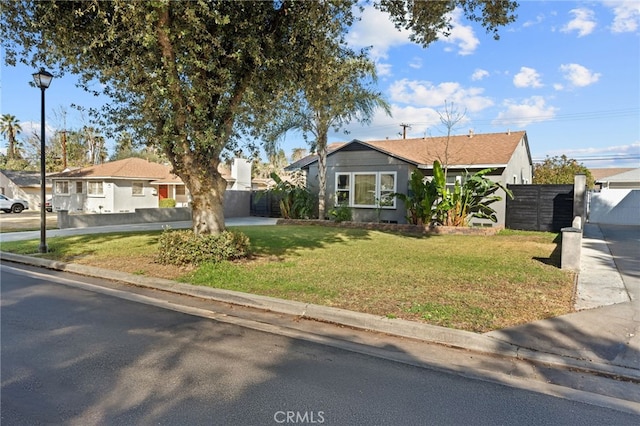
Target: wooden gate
x,y
540,207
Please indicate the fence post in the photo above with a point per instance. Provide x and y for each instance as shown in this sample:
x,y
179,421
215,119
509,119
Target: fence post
x,y
580,196
571,245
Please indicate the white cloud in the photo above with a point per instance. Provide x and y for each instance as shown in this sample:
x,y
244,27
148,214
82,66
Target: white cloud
x,y
578,75
532,22
383,69
416,63
527,77
604,156
626,15
461,35
425,93
421,119
583,22
376,29
633,148
479,74
532,110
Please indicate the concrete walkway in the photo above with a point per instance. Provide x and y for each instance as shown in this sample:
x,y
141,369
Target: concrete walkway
x,y
603,339
156,226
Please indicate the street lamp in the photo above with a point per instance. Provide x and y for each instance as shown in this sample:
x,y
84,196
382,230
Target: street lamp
x,y
42,79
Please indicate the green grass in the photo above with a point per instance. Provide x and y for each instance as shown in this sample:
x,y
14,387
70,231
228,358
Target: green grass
x,y
477,283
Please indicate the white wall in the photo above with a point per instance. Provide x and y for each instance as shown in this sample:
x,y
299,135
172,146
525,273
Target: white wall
x,y
615,207
241,172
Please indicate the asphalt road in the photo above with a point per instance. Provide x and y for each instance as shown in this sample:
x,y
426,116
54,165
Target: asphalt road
x,y
72,356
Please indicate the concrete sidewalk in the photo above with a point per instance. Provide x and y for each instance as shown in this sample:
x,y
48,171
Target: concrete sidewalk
x,y
604,340
157,226
606,329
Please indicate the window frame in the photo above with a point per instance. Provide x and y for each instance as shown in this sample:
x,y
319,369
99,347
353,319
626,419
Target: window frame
x,y
348,190
64,183
135,184
79,184
378,191
90,193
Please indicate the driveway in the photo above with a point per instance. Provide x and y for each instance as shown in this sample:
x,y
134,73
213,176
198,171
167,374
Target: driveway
x,y
624,244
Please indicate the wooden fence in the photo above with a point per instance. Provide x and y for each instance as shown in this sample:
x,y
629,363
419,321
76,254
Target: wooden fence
x,y
540,207
265,204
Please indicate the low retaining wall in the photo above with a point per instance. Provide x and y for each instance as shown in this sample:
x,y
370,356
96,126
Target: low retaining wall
x,y
236,204
393,227
176,214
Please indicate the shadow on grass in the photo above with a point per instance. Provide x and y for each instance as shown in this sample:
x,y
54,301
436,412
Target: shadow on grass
x,y
73,247
282,240
555,257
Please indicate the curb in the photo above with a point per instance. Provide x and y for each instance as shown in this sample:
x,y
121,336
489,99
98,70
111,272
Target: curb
x,y
403,328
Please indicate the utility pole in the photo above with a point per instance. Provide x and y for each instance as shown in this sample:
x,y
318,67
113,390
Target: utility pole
x,y
404,130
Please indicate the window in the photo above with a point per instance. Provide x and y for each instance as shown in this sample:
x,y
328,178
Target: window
x,y
451,182
387,189
137,188
343,189
369,190
95,188
62,187
180,190
79,189
364,193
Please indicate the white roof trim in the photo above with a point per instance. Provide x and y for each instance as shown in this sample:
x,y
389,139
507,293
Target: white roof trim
x,y
465,166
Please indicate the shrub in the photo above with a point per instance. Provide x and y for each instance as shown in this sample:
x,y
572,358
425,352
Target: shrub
x,y
341,214
184,247
167,202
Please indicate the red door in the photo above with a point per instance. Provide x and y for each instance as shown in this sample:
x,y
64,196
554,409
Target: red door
x,y
163,191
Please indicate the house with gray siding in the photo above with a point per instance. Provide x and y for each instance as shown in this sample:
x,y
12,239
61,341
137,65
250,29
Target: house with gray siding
x,y
363,175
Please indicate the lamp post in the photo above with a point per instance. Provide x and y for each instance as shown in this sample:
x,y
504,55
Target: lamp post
x,y
42,79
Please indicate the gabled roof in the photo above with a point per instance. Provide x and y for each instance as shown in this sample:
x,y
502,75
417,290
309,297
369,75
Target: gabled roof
x,y
129,168
304,162
632,175
22,178
480,150
604,173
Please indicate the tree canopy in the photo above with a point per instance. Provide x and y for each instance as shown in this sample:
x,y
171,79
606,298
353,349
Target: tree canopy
x,y
195,77
560,170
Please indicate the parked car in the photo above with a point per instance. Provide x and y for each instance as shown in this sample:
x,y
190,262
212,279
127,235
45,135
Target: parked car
x,y
12,205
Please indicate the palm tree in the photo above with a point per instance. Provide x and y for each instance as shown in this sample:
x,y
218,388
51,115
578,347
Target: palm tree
x,y
10,128
336,93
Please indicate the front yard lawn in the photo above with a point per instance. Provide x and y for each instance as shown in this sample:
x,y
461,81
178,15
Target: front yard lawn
x,y
475,283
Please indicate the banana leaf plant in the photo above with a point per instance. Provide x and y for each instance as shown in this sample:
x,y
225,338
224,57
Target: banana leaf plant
x,y
471,199
430,201
296,201
420,199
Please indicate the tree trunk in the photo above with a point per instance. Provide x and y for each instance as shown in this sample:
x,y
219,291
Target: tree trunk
x,y
207,201
322,171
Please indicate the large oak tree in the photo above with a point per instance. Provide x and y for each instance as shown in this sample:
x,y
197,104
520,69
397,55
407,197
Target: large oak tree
x,y
192,77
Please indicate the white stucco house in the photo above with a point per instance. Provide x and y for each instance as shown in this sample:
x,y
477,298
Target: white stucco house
x,y
126,185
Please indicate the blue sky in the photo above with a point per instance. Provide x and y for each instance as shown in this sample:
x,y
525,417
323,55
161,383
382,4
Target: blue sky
x,y
566,72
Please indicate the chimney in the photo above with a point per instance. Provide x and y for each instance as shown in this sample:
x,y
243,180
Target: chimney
x,y
470,133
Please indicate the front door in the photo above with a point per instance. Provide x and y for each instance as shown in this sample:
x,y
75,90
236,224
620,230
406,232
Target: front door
x,y
163,191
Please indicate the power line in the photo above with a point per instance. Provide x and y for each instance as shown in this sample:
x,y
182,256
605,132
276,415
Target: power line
x,y
590,115
614,157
